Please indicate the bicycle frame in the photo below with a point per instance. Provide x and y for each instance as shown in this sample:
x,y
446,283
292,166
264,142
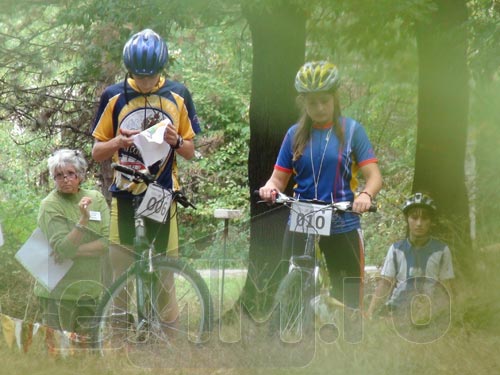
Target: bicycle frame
x,y
299,288
308,260
143,301
143,248
141,244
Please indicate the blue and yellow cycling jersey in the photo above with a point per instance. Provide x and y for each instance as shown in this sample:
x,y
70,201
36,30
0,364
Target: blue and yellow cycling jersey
x,y
122,106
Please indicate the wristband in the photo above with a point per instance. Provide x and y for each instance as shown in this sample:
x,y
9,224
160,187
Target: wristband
x,y
180,142
365,192
80,227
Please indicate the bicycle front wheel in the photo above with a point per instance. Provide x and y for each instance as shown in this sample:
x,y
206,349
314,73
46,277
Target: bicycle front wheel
x,y
293,317
148,312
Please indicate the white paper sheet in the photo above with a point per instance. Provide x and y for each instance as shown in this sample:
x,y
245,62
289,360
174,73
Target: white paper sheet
x,y
151,144
35,256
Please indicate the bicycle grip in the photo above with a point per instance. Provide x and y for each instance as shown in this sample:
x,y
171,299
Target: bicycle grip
x,y
122,168
256,193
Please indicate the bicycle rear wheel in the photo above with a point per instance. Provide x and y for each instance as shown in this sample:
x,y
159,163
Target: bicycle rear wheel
x,y
146,312
293,315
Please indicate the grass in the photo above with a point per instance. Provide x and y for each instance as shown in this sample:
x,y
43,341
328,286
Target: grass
x,y
233,284
241,346
381,351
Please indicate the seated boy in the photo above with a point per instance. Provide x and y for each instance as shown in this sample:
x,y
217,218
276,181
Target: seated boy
x,y
415,265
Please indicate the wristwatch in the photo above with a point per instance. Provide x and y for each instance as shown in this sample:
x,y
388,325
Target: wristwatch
x,y
180,142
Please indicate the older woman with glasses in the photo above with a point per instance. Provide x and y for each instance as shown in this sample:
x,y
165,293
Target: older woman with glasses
x,y
75,221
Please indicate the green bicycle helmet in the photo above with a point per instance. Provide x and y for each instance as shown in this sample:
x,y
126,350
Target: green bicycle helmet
x,y
317,76
419,200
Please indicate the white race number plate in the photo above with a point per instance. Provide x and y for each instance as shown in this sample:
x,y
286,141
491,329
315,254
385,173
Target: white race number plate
x,y
310,218
155,203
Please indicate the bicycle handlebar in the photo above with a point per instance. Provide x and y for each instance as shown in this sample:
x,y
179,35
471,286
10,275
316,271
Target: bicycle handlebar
x,y
138,176
345,206
148,178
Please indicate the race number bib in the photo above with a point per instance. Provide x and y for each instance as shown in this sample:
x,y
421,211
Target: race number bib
x,y
156,203
310,218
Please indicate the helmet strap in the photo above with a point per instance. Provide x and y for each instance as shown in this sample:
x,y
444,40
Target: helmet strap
x,y
125,87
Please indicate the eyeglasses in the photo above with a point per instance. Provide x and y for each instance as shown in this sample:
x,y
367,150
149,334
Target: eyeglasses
x,y
62,176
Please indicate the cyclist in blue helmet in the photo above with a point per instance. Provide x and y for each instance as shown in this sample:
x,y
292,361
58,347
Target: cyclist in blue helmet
x,y
145,54
146,98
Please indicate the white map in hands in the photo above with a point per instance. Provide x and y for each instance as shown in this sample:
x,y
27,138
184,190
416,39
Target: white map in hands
x,y
36,256
151,144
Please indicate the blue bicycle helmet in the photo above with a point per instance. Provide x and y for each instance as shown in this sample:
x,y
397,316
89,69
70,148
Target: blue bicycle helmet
x,y
145,53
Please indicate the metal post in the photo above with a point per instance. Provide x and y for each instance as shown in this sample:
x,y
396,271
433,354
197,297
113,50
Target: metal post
x,y
226,214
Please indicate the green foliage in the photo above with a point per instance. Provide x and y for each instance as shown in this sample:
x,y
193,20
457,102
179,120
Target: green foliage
x,y
485,84
384,28
57,57
19,201
484,24
217,178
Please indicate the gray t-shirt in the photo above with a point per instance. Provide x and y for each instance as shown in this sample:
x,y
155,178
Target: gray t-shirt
x,y
430,263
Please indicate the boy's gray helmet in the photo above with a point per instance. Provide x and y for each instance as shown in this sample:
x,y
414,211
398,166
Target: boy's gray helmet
x,y
419,200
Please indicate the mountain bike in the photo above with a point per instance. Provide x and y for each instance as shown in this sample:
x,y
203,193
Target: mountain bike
x,y
159,300
306,283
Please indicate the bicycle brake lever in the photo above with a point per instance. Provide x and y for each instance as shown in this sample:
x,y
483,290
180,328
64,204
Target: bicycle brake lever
x,y
182,200
282,198
343,206
347,206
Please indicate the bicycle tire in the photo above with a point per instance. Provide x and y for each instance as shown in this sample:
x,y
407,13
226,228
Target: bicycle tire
x,y
117,328
293,316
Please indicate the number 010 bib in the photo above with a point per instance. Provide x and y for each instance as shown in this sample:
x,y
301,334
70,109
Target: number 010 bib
x,y
310,218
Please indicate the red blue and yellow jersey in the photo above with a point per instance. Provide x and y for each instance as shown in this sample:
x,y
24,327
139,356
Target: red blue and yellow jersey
x,y
333,166
122,106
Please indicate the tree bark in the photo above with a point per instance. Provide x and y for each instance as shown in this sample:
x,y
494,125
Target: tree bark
x,y
278,37
443,109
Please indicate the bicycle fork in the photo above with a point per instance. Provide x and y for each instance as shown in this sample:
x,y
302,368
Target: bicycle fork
x,y
307,261
146,272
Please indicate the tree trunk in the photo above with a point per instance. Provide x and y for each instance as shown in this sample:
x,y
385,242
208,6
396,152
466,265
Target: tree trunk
x,y
443,108
278,37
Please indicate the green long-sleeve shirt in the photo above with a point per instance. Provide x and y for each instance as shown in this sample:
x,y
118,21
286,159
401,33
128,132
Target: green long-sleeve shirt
x,y
57,217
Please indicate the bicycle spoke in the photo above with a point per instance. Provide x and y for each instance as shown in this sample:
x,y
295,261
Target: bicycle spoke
x,y
176,310
292,316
